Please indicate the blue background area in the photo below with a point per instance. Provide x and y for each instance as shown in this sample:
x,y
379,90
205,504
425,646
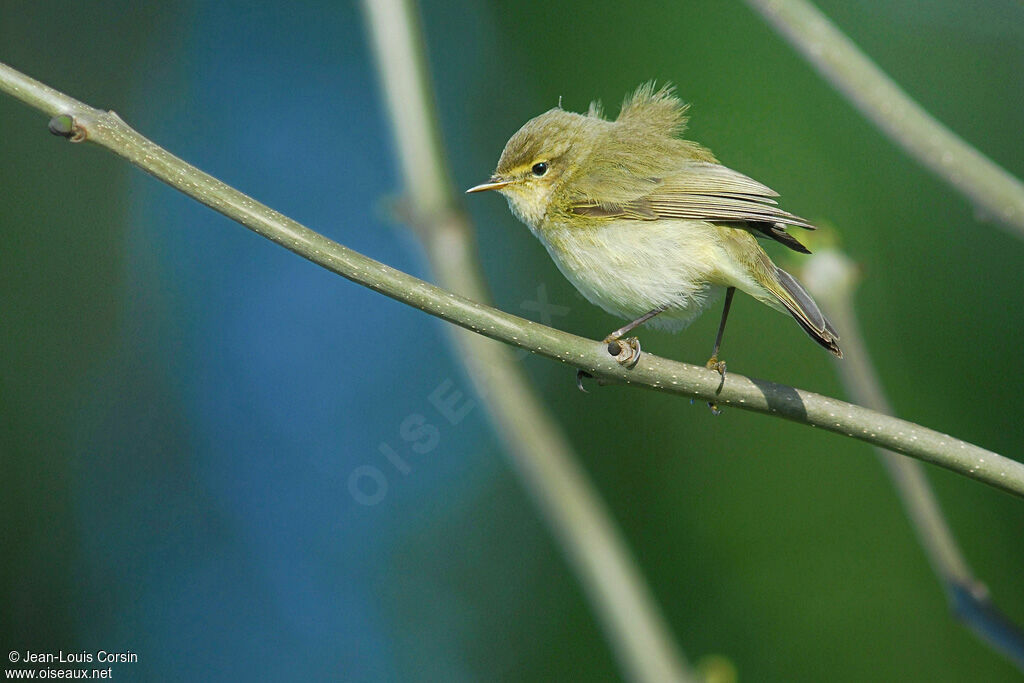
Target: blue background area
x,y
284,396
186,407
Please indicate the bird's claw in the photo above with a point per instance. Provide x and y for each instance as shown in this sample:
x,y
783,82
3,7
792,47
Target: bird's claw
x,y
625,351
580,374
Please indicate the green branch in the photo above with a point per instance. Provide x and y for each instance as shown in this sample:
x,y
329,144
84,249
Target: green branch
x,y
840,61
652,372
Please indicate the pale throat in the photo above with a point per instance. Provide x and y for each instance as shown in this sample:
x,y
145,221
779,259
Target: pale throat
x,y
529,206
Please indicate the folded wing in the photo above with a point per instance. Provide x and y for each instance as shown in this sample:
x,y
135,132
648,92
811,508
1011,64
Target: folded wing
x,y
707,192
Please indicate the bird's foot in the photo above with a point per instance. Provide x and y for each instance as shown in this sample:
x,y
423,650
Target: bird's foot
x,y
625,351
719,367
716,365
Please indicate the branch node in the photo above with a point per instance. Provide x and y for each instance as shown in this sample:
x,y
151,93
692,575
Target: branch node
x,y
65,126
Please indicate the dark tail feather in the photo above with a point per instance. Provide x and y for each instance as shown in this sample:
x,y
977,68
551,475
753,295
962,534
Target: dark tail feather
x,y
777,232
802,307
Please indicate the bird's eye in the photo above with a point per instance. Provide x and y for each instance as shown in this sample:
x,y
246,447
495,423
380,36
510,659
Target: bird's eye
x,y
540,168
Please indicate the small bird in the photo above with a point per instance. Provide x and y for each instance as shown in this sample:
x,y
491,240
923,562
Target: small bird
x,y
647,225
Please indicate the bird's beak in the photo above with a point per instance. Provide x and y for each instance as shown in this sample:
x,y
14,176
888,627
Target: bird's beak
x,y
495,183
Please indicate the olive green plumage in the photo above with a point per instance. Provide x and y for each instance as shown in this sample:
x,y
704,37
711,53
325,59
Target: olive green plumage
x,y
640,219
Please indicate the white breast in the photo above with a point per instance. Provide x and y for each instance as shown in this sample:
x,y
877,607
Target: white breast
x,y
631,267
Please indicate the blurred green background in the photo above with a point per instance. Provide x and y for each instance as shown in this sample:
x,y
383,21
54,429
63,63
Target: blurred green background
x,y
181,424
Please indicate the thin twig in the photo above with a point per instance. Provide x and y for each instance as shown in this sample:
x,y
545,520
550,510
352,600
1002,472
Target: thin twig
x,y
540,452
831,278
652,372
994,191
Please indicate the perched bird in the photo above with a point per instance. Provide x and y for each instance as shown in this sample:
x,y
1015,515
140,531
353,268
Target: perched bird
x,y
646,225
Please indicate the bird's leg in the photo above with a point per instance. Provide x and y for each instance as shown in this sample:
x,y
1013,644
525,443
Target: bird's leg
x,y
632,344
713,362
626,351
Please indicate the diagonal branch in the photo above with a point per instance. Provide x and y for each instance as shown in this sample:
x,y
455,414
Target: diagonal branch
x,y
850,71
80,121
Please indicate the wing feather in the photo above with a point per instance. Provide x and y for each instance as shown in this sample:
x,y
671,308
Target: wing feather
x,y
707,192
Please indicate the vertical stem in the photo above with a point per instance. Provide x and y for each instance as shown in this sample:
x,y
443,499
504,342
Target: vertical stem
x,y
831,278
581,524
858,376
